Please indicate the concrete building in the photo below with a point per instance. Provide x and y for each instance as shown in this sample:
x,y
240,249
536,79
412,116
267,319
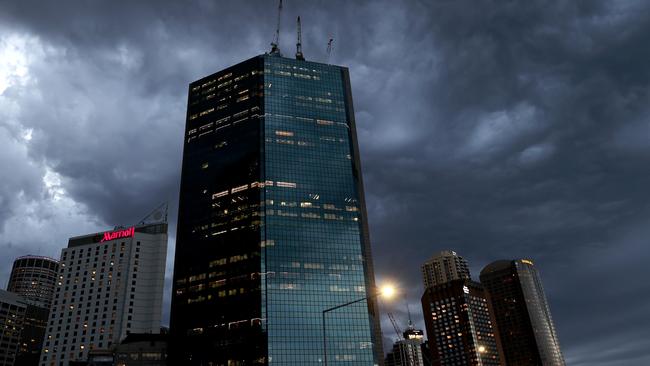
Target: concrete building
x,y
110,284
444,267
34,278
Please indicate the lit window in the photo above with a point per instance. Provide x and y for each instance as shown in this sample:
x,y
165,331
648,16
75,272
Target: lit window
x,y
240,188
286,184
220,194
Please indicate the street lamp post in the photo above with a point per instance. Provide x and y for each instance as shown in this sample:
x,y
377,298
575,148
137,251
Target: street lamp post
x,y
386,291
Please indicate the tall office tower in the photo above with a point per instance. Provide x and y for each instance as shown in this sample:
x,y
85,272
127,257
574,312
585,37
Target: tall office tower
x,y
444,267
34,278
459,324
522,313
407,351
12,314
272,223
110,284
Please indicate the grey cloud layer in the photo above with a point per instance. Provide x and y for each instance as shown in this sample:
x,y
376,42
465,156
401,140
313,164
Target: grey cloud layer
x,y
498,129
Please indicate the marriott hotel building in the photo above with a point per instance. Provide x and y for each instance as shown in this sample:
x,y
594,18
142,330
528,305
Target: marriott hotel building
x,y
109,284
272,226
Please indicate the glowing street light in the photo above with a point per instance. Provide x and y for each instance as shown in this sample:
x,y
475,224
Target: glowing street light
x,y
386,291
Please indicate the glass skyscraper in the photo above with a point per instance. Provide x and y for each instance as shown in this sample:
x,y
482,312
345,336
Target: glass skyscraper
x,y
272,223
522,314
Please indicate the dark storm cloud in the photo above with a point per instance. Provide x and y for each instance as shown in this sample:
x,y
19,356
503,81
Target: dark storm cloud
x,y
500,129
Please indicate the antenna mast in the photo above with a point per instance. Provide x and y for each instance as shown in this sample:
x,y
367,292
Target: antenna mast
x,y
329,49
275,45
299,55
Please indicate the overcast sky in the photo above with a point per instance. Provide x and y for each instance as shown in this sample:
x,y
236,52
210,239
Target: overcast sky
x,y
500,129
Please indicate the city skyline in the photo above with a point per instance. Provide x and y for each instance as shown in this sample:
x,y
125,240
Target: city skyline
x,y
514,140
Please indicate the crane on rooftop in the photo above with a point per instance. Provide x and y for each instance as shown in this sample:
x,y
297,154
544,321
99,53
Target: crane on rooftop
x,y
329,49
275,45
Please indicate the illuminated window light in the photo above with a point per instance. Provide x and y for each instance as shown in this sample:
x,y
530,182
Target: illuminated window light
x,y
286,184
220,194
284,133
240,188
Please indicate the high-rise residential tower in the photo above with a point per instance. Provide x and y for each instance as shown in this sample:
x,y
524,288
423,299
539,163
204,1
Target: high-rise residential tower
x,y
457,314
444,267
522,313
272,225
459,325
109,284
34,278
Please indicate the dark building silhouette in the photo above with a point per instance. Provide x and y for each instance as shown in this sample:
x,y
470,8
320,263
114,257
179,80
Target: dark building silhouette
x,y
12,314
272,222
459,324
33,333
522,314
34,278
142,349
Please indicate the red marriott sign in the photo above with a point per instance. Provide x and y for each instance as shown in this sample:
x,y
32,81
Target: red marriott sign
x,y
112,235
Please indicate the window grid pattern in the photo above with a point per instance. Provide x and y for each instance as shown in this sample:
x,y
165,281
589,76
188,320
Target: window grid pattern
x,y
313,218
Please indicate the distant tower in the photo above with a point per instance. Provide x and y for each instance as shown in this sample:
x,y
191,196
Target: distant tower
x,y
522,313
457,315
444,267
34,278
407,350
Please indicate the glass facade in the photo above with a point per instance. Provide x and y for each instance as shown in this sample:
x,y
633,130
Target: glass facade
x,y
272,224
522,314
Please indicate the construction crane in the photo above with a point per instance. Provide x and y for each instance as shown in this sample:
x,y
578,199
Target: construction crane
x,y
403,357
329,49
275,45
299,55
398,331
